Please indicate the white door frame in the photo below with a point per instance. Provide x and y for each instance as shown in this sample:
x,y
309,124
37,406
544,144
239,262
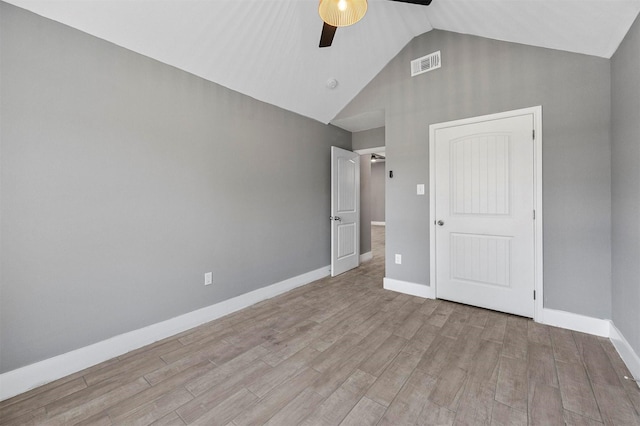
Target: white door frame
x,y
536,112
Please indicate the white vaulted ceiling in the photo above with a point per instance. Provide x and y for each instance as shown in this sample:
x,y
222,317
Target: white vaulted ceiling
x,y
268,49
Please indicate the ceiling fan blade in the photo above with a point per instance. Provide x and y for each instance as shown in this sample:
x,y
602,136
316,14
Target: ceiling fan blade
x,y
328,31
422,2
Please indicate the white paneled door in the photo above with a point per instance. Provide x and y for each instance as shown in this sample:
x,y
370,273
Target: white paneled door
x,y
345,210
484,214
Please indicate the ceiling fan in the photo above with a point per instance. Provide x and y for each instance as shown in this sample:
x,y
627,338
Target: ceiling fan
x,y
342,13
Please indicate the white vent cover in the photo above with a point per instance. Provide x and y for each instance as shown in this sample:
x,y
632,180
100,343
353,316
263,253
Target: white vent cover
x,y
426,63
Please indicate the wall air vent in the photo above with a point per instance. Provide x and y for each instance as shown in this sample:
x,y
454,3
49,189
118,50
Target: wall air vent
x,y
425,64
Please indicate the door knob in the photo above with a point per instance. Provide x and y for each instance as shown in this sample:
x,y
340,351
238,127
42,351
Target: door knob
x,y
440,223
334,218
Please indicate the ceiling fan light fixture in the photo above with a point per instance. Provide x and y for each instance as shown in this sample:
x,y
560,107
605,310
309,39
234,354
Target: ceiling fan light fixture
x,y
342,13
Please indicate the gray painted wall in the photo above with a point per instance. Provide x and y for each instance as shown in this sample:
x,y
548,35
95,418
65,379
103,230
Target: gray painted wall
x,y
373,138
481,76
377,191
365,203
124,180
625,107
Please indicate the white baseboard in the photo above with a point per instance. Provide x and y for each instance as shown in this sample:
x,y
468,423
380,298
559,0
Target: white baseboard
x,y
378,223
628,355
366,256
412,289
31,376
576,322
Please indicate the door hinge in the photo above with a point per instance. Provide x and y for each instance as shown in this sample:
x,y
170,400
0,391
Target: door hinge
x,y
534,215
533,134
534,295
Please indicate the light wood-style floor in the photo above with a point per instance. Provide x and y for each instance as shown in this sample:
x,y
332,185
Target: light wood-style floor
x,y
344,351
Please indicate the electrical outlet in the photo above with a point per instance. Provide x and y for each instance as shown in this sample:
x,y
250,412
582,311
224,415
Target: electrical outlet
x,y
398,259
208,278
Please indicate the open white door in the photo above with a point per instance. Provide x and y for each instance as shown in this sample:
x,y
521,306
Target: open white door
x,y
345,210
484,225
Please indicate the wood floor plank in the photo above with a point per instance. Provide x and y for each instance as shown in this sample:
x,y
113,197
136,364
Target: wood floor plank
x,y
408,328
156,376
283,372
277,399
476,403
100,419
56,383
437,356
541,365
505,415
244,363
615,406
485,362
215,349
455,323
211,397
449,387
494,329
575,390
573,419
538,333
136,367
336,352
440,314
97,405
598,364
421,341
290,342
632,389
545,407
432,414
376,363
366,412
389,383
336,407
297,409
564,346
153,350
171,419
405,409
151,411
428,307
227,409
512,387
20,408
515,343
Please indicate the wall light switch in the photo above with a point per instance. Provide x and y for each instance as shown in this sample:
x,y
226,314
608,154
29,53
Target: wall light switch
x,y
398,259
420,189
208,278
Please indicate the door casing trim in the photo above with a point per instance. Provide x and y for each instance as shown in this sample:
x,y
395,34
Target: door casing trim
x,y
536,112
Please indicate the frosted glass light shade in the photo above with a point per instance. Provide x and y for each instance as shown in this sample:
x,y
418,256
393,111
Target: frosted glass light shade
x,y
342,13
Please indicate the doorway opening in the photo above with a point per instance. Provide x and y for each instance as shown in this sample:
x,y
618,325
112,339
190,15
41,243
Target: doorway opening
x,y
372,203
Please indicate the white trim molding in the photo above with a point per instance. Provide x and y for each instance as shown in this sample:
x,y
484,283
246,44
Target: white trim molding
x,y
626,352
378,223
576,322
536,115
31,376
413,289
365,257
